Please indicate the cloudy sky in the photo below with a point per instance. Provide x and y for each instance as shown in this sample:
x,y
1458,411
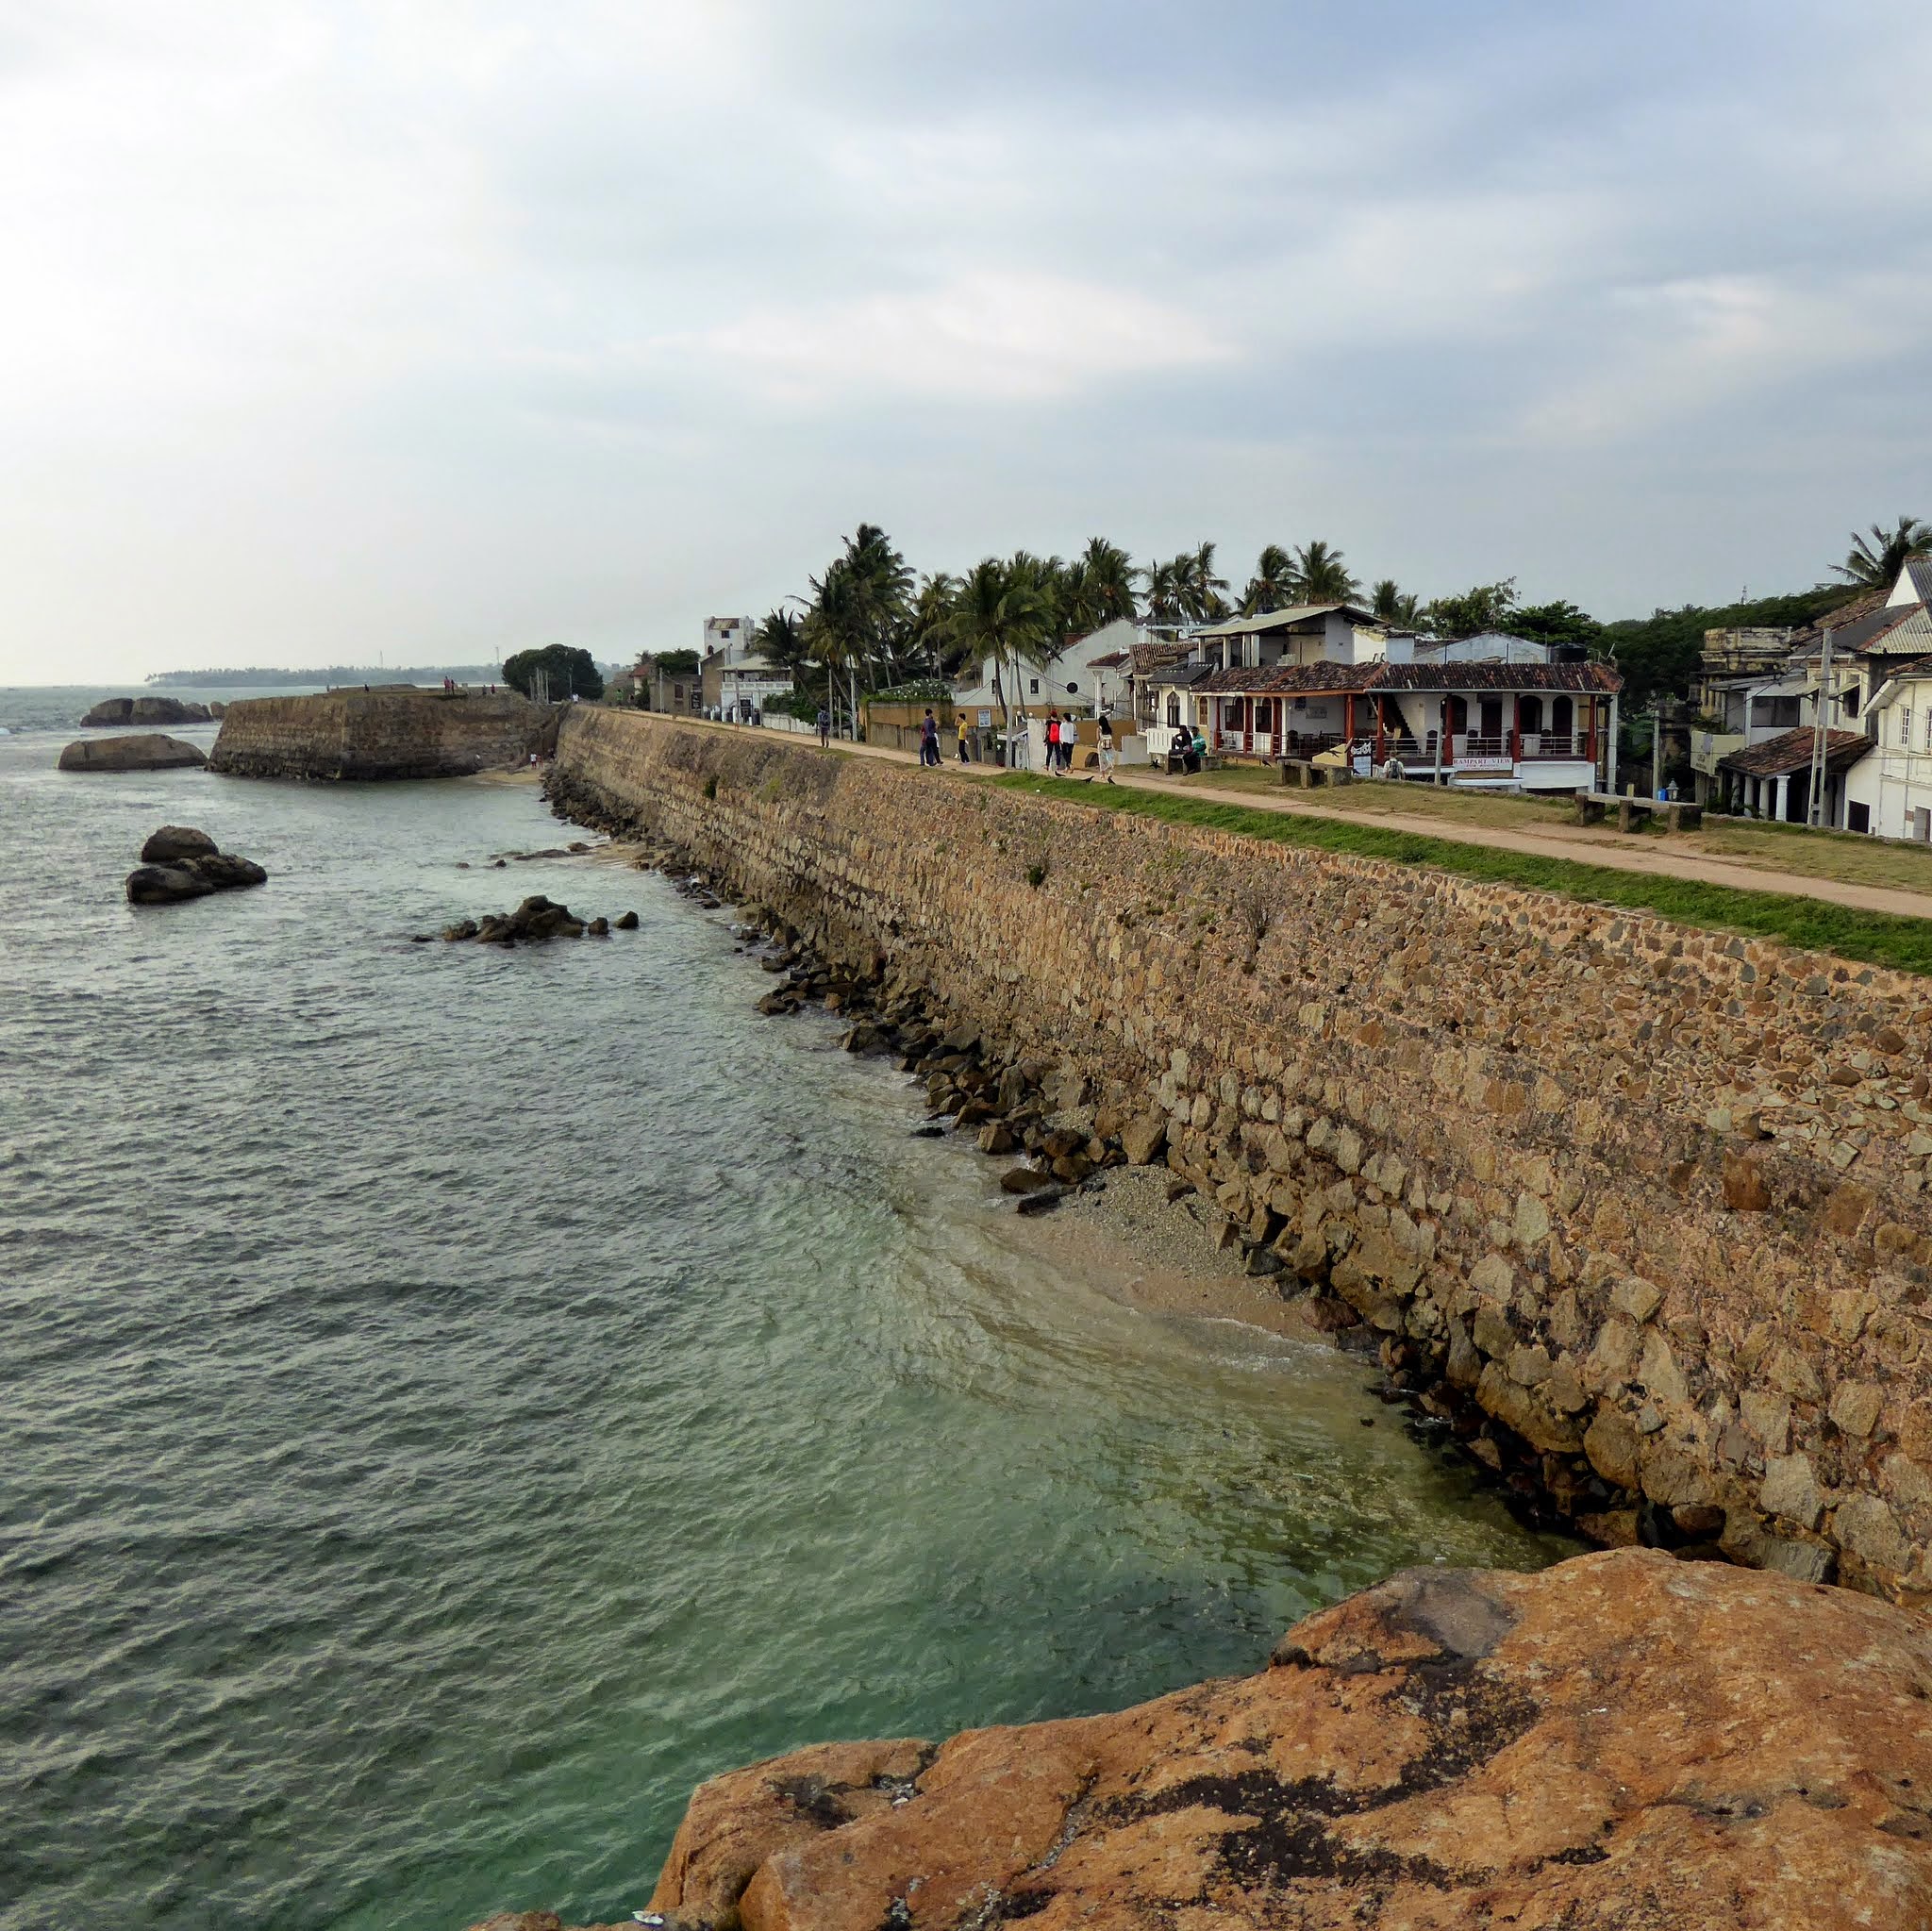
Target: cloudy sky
x,y
434,329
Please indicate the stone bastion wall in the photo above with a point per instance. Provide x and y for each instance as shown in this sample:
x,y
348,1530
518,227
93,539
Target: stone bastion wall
x,y
379,733
1654,1197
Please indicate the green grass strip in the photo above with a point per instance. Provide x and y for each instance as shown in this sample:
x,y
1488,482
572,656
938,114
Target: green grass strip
x,y
1883,939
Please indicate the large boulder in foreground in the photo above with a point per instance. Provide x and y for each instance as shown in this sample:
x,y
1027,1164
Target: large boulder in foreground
x,y
1624,1741
139,751
179,862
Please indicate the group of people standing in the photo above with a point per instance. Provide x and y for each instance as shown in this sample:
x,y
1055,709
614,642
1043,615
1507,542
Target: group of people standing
x,y
1062,735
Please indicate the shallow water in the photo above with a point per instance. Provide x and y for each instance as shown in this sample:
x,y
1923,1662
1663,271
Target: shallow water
x,y
456,1399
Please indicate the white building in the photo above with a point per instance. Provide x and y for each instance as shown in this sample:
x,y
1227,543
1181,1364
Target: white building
x,y
1089,677
735,679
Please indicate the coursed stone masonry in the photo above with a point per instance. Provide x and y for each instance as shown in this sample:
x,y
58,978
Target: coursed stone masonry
x,y
379,733
1654,1197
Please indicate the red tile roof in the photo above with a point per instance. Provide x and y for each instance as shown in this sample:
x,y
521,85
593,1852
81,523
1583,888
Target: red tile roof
x,y
1271,680
1792,751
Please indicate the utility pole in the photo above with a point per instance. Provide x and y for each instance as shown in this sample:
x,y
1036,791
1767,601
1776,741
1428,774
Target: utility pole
x,y
1657,745
1814,813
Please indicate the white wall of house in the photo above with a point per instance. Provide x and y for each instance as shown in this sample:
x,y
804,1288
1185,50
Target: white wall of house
x,y
1893,780
1069,680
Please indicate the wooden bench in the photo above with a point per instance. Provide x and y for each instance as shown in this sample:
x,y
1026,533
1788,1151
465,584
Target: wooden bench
x,y
1678,815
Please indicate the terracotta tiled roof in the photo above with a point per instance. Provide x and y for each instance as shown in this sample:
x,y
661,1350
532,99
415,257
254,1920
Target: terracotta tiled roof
x,y
1324,676
1792,751
1112,661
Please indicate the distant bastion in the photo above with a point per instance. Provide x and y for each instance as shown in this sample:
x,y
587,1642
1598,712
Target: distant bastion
x,y
400,732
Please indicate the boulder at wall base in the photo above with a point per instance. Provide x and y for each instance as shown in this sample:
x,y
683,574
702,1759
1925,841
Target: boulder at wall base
x,y
139,751
176,842
1621,1737
538,918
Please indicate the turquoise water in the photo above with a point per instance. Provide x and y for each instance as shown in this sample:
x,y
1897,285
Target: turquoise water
x,y
456,1400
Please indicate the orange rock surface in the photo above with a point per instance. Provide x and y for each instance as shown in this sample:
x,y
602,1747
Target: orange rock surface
x,y
1624,1741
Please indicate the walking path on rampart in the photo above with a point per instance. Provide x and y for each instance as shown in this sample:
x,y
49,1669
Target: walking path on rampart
x,y
1650,857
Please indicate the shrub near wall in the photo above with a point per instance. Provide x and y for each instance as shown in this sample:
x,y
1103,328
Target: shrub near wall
x,y
1654,1196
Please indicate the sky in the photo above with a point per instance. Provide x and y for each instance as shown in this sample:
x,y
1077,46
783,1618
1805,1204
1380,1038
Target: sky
x,y
434,329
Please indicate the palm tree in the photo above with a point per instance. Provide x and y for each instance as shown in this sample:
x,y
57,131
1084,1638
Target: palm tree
x,y
836,630
1107,579
1393,605
1271,587
1321,576
1163,593
1875,562
1210,592
1001,615
780,638
928,630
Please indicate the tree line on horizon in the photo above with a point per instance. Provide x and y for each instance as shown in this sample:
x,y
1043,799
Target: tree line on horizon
x,y
867,620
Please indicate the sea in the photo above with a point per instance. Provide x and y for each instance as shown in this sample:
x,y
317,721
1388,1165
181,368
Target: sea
x,y
456,1400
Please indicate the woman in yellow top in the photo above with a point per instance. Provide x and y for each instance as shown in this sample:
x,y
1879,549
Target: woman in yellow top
x,y
962,737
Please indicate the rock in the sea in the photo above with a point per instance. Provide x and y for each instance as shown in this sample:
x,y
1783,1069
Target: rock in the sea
x,y
176,841
628,922
146,711
537,918
164,885
179,862
139,751
1621,1741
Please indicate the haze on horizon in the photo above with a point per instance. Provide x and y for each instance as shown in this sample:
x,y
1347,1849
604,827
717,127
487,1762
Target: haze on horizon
x,y
440,330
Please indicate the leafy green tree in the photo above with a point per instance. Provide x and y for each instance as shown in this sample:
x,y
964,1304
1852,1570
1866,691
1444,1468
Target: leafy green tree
x,y
676,663
1321,576
1661,652
1271,587
1559,623
930,628
1487,607
1876,559
559,671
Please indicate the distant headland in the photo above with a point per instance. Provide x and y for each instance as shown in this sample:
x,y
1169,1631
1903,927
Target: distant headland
x,y
260,678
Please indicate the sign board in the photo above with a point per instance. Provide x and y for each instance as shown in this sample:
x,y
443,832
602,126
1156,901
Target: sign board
x,y
986,721
1485,764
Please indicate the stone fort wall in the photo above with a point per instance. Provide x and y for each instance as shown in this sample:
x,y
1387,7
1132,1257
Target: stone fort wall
x,y
1654,1197
379,733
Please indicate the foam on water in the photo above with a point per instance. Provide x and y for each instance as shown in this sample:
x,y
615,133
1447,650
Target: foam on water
x,y
456,1400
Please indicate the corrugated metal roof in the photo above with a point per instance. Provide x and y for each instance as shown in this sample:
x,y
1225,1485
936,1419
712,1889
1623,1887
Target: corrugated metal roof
x,y
1278,620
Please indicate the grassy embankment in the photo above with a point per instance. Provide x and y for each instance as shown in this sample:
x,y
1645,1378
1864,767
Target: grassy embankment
x,y
1875,937
1849,857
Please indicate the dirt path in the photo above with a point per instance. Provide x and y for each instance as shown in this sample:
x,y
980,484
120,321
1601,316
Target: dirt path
x,y
1651,856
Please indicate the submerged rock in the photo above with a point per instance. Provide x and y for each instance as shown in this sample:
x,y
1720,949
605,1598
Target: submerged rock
x,y
537,919
1621,1740
139,751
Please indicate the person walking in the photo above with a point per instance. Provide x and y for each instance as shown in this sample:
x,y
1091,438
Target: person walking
x,y
1104,735
962,737
825,729
1053,739
928,739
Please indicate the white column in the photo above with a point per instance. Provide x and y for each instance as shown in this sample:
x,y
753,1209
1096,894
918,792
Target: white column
x,y
1610,751
1781,797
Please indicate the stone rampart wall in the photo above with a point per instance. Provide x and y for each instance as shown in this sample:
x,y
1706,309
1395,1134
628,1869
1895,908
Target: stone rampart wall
x,y
1655,1197
378,734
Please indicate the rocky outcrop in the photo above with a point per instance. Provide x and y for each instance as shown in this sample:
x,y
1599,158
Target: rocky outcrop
x,y
533,921
146,711
179,862
141,751
1623,1741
